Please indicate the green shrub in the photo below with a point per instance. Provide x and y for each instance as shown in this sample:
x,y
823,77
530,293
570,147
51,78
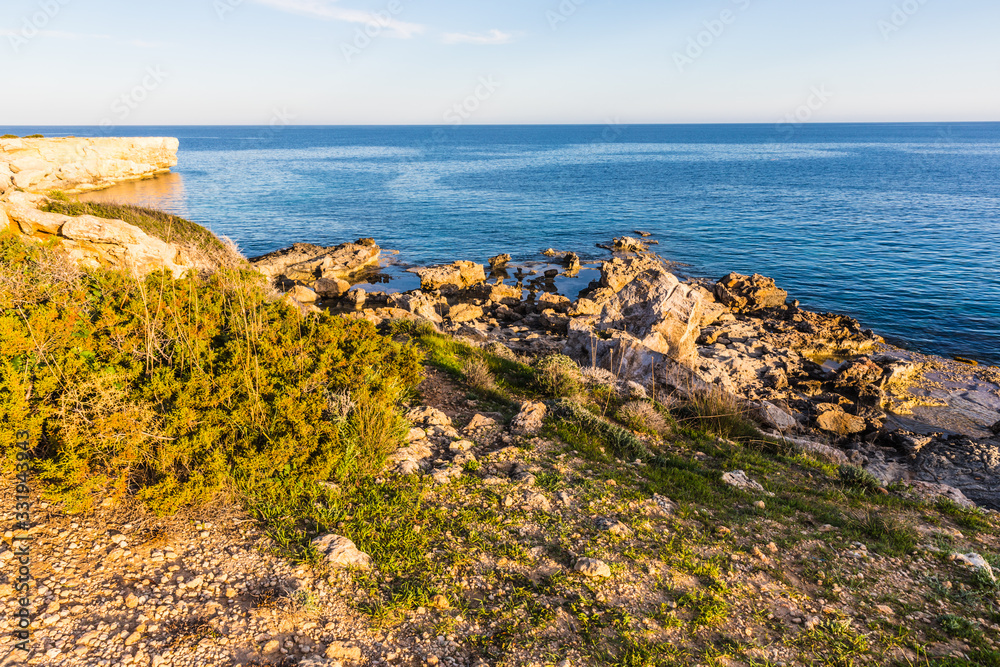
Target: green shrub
x,y
621,443
35,136
643,416
9,136
557,376
859,478
178,391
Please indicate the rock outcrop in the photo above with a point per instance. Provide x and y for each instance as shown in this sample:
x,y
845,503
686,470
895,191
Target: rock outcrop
x,y
29,167
749,293
458,275
90,241
327,271
80,164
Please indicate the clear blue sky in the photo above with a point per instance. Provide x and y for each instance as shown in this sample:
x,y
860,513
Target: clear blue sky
x,y
550,61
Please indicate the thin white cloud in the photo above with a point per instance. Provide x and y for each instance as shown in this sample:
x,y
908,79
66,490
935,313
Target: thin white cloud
x,y
328,9
490,38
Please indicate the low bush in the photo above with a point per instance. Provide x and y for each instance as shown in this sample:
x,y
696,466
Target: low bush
x,y
643,416
557,376
179,391
859,478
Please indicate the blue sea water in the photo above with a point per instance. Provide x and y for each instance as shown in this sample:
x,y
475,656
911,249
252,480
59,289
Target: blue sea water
x,y
895,224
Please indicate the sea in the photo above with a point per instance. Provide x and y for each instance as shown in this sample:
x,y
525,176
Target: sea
x,y
897,225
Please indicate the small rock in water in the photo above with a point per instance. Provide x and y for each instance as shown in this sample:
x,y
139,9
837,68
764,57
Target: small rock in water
x,y
500,261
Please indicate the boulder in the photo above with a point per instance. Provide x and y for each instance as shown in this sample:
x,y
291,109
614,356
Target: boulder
x,y
428,416
585,307
572,262
931,491
627,358
530,419
357,298
496,293
618,272
459,275
303,294
592,568
554,301
95,242
858,374
977,562
738,479
832,419
665,314
775,417
749,293
432,308
331,288
465,312
341,552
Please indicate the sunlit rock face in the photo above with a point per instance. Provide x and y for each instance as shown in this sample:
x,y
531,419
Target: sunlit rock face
x,y
80,164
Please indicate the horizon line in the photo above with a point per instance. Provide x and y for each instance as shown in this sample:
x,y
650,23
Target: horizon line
x,y
589,124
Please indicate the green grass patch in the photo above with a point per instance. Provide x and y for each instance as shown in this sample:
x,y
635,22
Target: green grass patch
x,y
974,520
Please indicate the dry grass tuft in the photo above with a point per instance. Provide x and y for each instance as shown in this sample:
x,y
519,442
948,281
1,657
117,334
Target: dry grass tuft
x,y
478,374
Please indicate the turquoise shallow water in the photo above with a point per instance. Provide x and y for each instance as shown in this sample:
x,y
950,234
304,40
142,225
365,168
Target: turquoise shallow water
x,y
898,225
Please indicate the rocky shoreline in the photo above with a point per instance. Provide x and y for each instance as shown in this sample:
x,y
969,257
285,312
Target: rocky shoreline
x,y
821,381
